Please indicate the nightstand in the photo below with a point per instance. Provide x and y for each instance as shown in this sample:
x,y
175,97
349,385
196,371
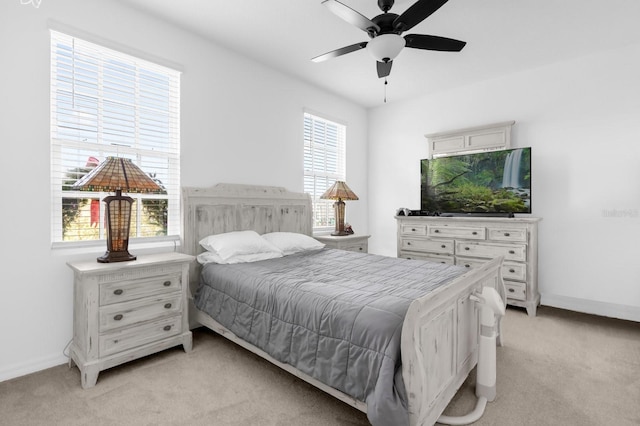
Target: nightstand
x,y
127,310
351,242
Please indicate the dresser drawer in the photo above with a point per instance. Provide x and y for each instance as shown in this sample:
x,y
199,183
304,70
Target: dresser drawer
x,y
515,290
140,310
510,270
127,338
514,271
468,232
516,252
413,229
469,263
431,246
507,234
136,289
448,260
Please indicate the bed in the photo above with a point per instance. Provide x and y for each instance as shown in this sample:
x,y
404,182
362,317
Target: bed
x,y
436,334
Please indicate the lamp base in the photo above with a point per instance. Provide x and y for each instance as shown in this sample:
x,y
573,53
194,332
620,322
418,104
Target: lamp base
x,y
340,233
116,256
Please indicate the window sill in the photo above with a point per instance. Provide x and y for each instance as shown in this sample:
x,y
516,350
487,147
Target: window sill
x,y
99,247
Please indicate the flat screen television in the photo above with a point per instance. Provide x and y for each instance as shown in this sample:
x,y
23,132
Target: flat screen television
x,y
486,183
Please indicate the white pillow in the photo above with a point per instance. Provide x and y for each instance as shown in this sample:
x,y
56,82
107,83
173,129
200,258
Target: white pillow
x,y
239,243
211,257
291,242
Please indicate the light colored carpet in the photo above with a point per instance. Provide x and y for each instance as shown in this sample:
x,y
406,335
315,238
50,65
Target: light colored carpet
x,y
559,368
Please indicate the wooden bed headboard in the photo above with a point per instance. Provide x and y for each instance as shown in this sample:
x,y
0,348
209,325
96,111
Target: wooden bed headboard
x,y
233,207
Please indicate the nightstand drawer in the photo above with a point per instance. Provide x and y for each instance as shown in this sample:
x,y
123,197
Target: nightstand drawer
x,y
353,242
129,313
361,248
124,291
127,338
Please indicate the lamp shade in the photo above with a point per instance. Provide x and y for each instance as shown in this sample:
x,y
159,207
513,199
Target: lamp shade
x,y
386,47
339,191
115,174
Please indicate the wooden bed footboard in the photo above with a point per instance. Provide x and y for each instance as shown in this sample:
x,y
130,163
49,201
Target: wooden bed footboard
x,y
440,342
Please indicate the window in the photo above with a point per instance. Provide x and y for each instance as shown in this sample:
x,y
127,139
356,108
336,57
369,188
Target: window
x,y
324,163
106,103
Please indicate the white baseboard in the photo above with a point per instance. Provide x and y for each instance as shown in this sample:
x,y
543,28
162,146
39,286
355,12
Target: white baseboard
x,y
32,366
613,310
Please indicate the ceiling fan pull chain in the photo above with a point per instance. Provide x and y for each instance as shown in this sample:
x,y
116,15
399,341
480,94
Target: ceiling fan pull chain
x,y
385,90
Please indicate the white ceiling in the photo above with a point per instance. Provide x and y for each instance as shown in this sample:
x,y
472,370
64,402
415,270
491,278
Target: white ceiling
x,y
503,36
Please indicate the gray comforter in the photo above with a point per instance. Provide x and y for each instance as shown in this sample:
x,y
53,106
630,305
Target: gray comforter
x,y
334,315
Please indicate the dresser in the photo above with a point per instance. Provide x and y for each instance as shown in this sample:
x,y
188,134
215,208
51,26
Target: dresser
x,y
353,242
470,241
127,310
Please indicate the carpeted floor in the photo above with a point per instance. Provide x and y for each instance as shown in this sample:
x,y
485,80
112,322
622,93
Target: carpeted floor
x,y
559,368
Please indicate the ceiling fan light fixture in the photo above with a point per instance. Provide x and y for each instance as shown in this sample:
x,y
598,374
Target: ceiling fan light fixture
x,y
386,47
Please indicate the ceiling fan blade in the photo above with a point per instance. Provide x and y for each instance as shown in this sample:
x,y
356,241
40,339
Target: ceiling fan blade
x,y
417,13
340,52
430,42
351,16
383,68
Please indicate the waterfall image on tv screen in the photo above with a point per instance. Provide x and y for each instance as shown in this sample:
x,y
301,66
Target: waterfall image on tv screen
x,y
486,182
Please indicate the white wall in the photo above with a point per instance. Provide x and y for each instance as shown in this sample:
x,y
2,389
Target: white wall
x,y
581,118
241,123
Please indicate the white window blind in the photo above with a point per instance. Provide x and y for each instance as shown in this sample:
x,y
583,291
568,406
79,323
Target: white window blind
x,y
324,163
106,103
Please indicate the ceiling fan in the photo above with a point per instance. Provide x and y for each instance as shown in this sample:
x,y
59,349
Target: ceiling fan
x,y
385,29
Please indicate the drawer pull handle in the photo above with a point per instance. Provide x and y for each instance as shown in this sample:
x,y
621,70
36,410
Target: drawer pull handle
x,y
118,317
511,290
436,231
506,234
167,305
118,292
408,243
467,248
474,233
413,229
443,246
166,283
512,252
512,270
167,328
467,265
360,248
